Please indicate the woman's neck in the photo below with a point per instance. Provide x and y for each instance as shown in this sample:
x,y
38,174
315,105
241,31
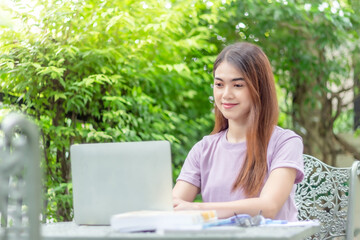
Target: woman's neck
x,y
236,132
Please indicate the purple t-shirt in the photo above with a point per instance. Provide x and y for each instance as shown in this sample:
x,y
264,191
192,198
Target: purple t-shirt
x,y
213,165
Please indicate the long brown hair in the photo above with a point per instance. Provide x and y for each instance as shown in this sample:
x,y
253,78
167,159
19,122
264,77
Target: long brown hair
x,y
252,62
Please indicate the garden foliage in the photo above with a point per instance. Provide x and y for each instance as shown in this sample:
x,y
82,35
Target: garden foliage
x,y
109,71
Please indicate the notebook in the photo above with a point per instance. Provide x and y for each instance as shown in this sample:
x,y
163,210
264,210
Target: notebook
x,y
113,178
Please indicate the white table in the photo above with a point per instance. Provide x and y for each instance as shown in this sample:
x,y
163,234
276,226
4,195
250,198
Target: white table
x,y
71,231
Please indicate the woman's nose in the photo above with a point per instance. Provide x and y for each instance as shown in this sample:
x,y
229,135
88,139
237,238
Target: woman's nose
x,y
227,93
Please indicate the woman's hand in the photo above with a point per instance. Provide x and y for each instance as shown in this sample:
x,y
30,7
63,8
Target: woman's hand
x,y
183,195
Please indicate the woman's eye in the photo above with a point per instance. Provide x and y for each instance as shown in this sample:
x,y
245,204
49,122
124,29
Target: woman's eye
x,y
218,84
238,85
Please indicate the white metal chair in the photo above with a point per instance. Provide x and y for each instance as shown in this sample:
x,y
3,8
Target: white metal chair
x,y
332,196
20,179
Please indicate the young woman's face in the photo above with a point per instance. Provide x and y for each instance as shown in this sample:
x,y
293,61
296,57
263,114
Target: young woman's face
x,y
231,94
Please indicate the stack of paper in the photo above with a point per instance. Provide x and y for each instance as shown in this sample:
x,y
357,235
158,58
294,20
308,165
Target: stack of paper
x,y
161,220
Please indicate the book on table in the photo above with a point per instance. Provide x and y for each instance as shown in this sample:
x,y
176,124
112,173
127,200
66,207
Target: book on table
x,y
161,220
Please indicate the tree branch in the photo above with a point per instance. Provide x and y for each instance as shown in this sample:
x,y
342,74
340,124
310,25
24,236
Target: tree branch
x,y
347,147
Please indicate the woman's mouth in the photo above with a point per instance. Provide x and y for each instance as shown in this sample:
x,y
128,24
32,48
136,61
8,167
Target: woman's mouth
x,y
229,105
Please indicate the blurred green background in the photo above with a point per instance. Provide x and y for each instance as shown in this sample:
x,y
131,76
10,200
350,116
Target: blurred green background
x,y
129,70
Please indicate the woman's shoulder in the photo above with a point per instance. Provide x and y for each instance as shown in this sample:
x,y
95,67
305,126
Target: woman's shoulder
x,y
214,137
281,135
210,140
207,143
283,132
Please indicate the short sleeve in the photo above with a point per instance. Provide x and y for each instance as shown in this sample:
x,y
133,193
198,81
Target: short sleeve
x,y
288,152
190,171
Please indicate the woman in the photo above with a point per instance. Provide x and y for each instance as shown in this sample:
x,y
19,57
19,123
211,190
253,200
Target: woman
x,y
247,164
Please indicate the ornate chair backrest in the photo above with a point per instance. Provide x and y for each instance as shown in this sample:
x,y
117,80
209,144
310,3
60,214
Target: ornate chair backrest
x,y
331,196
20,179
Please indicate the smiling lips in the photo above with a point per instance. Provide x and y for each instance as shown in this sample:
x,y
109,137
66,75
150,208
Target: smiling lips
x,y
229,105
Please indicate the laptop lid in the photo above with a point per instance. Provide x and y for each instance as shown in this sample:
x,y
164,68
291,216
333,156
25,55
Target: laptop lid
x,y
112,178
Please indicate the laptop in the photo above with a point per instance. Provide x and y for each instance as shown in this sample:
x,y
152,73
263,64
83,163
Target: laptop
x,y
112,178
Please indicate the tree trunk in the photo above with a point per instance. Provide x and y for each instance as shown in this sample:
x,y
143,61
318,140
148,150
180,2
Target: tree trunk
x,y
356,67
312,113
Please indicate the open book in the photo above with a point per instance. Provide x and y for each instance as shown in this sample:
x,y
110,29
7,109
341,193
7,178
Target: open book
x,y
161,220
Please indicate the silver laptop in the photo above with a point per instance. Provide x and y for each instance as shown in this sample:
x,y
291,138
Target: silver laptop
x,y
112,178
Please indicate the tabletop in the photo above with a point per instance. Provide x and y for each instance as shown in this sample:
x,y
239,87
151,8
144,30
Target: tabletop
x,y
71,231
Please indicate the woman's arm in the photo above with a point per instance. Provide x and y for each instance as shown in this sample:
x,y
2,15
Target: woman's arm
x,y
184,191
272,197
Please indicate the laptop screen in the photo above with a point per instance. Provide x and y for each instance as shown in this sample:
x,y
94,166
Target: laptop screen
x,y
112,178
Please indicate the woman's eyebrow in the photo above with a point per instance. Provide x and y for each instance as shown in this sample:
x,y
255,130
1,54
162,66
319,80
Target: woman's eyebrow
x,y
233,80
238,79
